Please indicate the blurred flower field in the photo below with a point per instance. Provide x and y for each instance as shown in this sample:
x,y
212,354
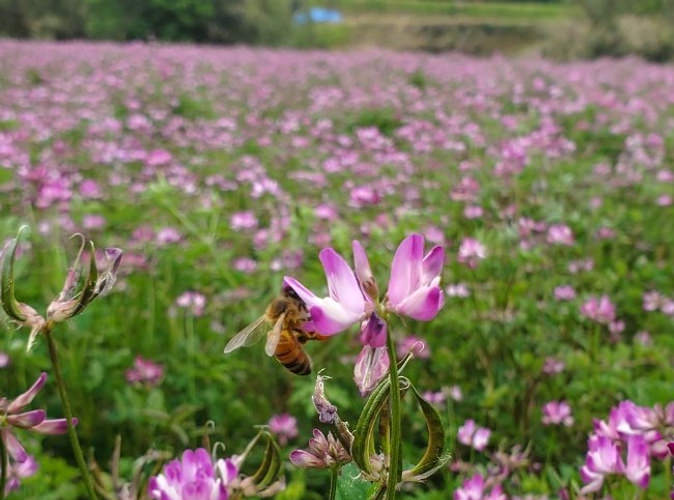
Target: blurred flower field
x,y
219,171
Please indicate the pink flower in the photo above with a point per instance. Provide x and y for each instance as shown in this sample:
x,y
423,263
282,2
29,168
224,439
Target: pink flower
x,y
243,220
93,222
245,264
345,303
599,309
565,292
414,287
194,477
471,251
194,301
145,371
475,488
436,398
603,458
18,471
34,420
473,212
284,426
158,157
552,366
651,301
471,435
557,412
326,211
560,234
323,452
168,235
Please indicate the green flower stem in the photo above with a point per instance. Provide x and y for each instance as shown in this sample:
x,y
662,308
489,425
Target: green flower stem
x,y
334,474
4,465
394,423
65,402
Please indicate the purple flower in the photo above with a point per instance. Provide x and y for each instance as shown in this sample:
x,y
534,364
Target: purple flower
x,y
34,420
145,371
243,220
18,471
557,412
323,452
345,303
194,301
560,234
471,251
414,287
437,398
284,426
168,235
603,458
475,488
651,301
471,435
4,359
599,309
565,292
194,477
552,366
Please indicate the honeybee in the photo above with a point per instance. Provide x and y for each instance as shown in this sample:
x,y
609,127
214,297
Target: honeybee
x,y
286,314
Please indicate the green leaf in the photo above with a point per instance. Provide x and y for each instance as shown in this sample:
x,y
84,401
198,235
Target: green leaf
x,y
351,486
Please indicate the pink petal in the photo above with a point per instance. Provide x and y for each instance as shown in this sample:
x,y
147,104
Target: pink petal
x,y
53,426
302,458
423,304
342,283
432,264
330,317
371,366
307,296
14,448
25,398
28,419
406,268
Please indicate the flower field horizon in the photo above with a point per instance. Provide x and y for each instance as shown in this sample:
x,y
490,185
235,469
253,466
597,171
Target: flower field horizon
x,y
528,204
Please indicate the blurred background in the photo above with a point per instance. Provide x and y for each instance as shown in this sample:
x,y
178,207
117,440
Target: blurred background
x,y
561,29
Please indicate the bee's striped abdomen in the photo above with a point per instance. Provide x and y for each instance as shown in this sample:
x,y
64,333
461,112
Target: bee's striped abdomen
x,y
290,354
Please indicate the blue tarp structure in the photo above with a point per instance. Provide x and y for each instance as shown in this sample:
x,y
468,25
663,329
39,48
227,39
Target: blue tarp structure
x,y
318,15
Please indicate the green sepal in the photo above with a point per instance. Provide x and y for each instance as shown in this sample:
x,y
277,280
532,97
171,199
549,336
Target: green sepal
x,y
434,456
268,471
363,442
9,303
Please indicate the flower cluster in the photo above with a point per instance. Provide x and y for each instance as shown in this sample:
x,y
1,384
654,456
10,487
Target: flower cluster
x,y
639,432
194,477
471,435
353,297
145,371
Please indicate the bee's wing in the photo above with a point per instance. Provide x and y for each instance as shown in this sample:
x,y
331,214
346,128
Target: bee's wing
x,y
248,336
274,336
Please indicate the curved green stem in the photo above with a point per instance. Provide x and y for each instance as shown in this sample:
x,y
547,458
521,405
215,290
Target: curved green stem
x,y
65,402
334,474
394,468
4,465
